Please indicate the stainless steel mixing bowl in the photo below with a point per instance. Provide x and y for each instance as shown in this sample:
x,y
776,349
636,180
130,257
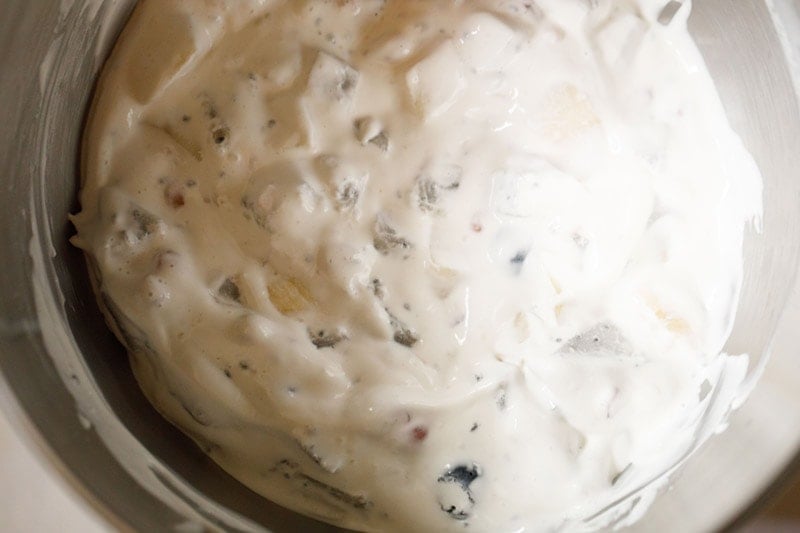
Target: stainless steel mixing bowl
x,y
66,380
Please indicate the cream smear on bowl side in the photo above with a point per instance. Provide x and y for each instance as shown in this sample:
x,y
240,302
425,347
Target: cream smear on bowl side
x,y
411,265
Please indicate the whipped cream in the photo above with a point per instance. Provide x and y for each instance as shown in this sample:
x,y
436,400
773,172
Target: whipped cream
x,y
405,265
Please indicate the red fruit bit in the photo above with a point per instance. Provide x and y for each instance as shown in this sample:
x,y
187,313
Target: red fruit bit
x,y
174,197
419,433
166,260
477,227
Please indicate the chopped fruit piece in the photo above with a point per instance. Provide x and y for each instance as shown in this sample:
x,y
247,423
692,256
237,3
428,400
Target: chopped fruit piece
x,y
157,55
326,339
386,238
602,339
455,491
436,82
484,43
332,78
230,291
289,296
568,113
674,324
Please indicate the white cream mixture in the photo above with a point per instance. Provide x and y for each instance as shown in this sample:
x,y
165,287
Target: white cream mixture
x,y
409,265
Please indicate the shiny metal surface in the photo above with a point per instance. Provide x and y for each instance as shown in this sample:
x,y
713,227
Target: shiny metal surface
x,y
66,379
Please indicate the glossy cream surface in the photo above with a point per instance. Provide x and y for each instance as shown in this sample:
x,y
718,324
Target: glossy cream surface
x,y
412,265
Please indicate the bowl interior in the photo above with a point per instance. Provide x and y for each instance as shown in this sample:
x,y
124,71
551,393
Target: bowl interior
x,y
69,377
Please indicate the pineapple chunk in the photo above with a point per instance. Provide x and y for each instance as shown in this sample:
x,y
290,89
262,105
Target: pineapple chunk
x,y
157,56
556,285
522,327
289,296
569,112
436,82
674,324
181,140
485,42
621,38
332,78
